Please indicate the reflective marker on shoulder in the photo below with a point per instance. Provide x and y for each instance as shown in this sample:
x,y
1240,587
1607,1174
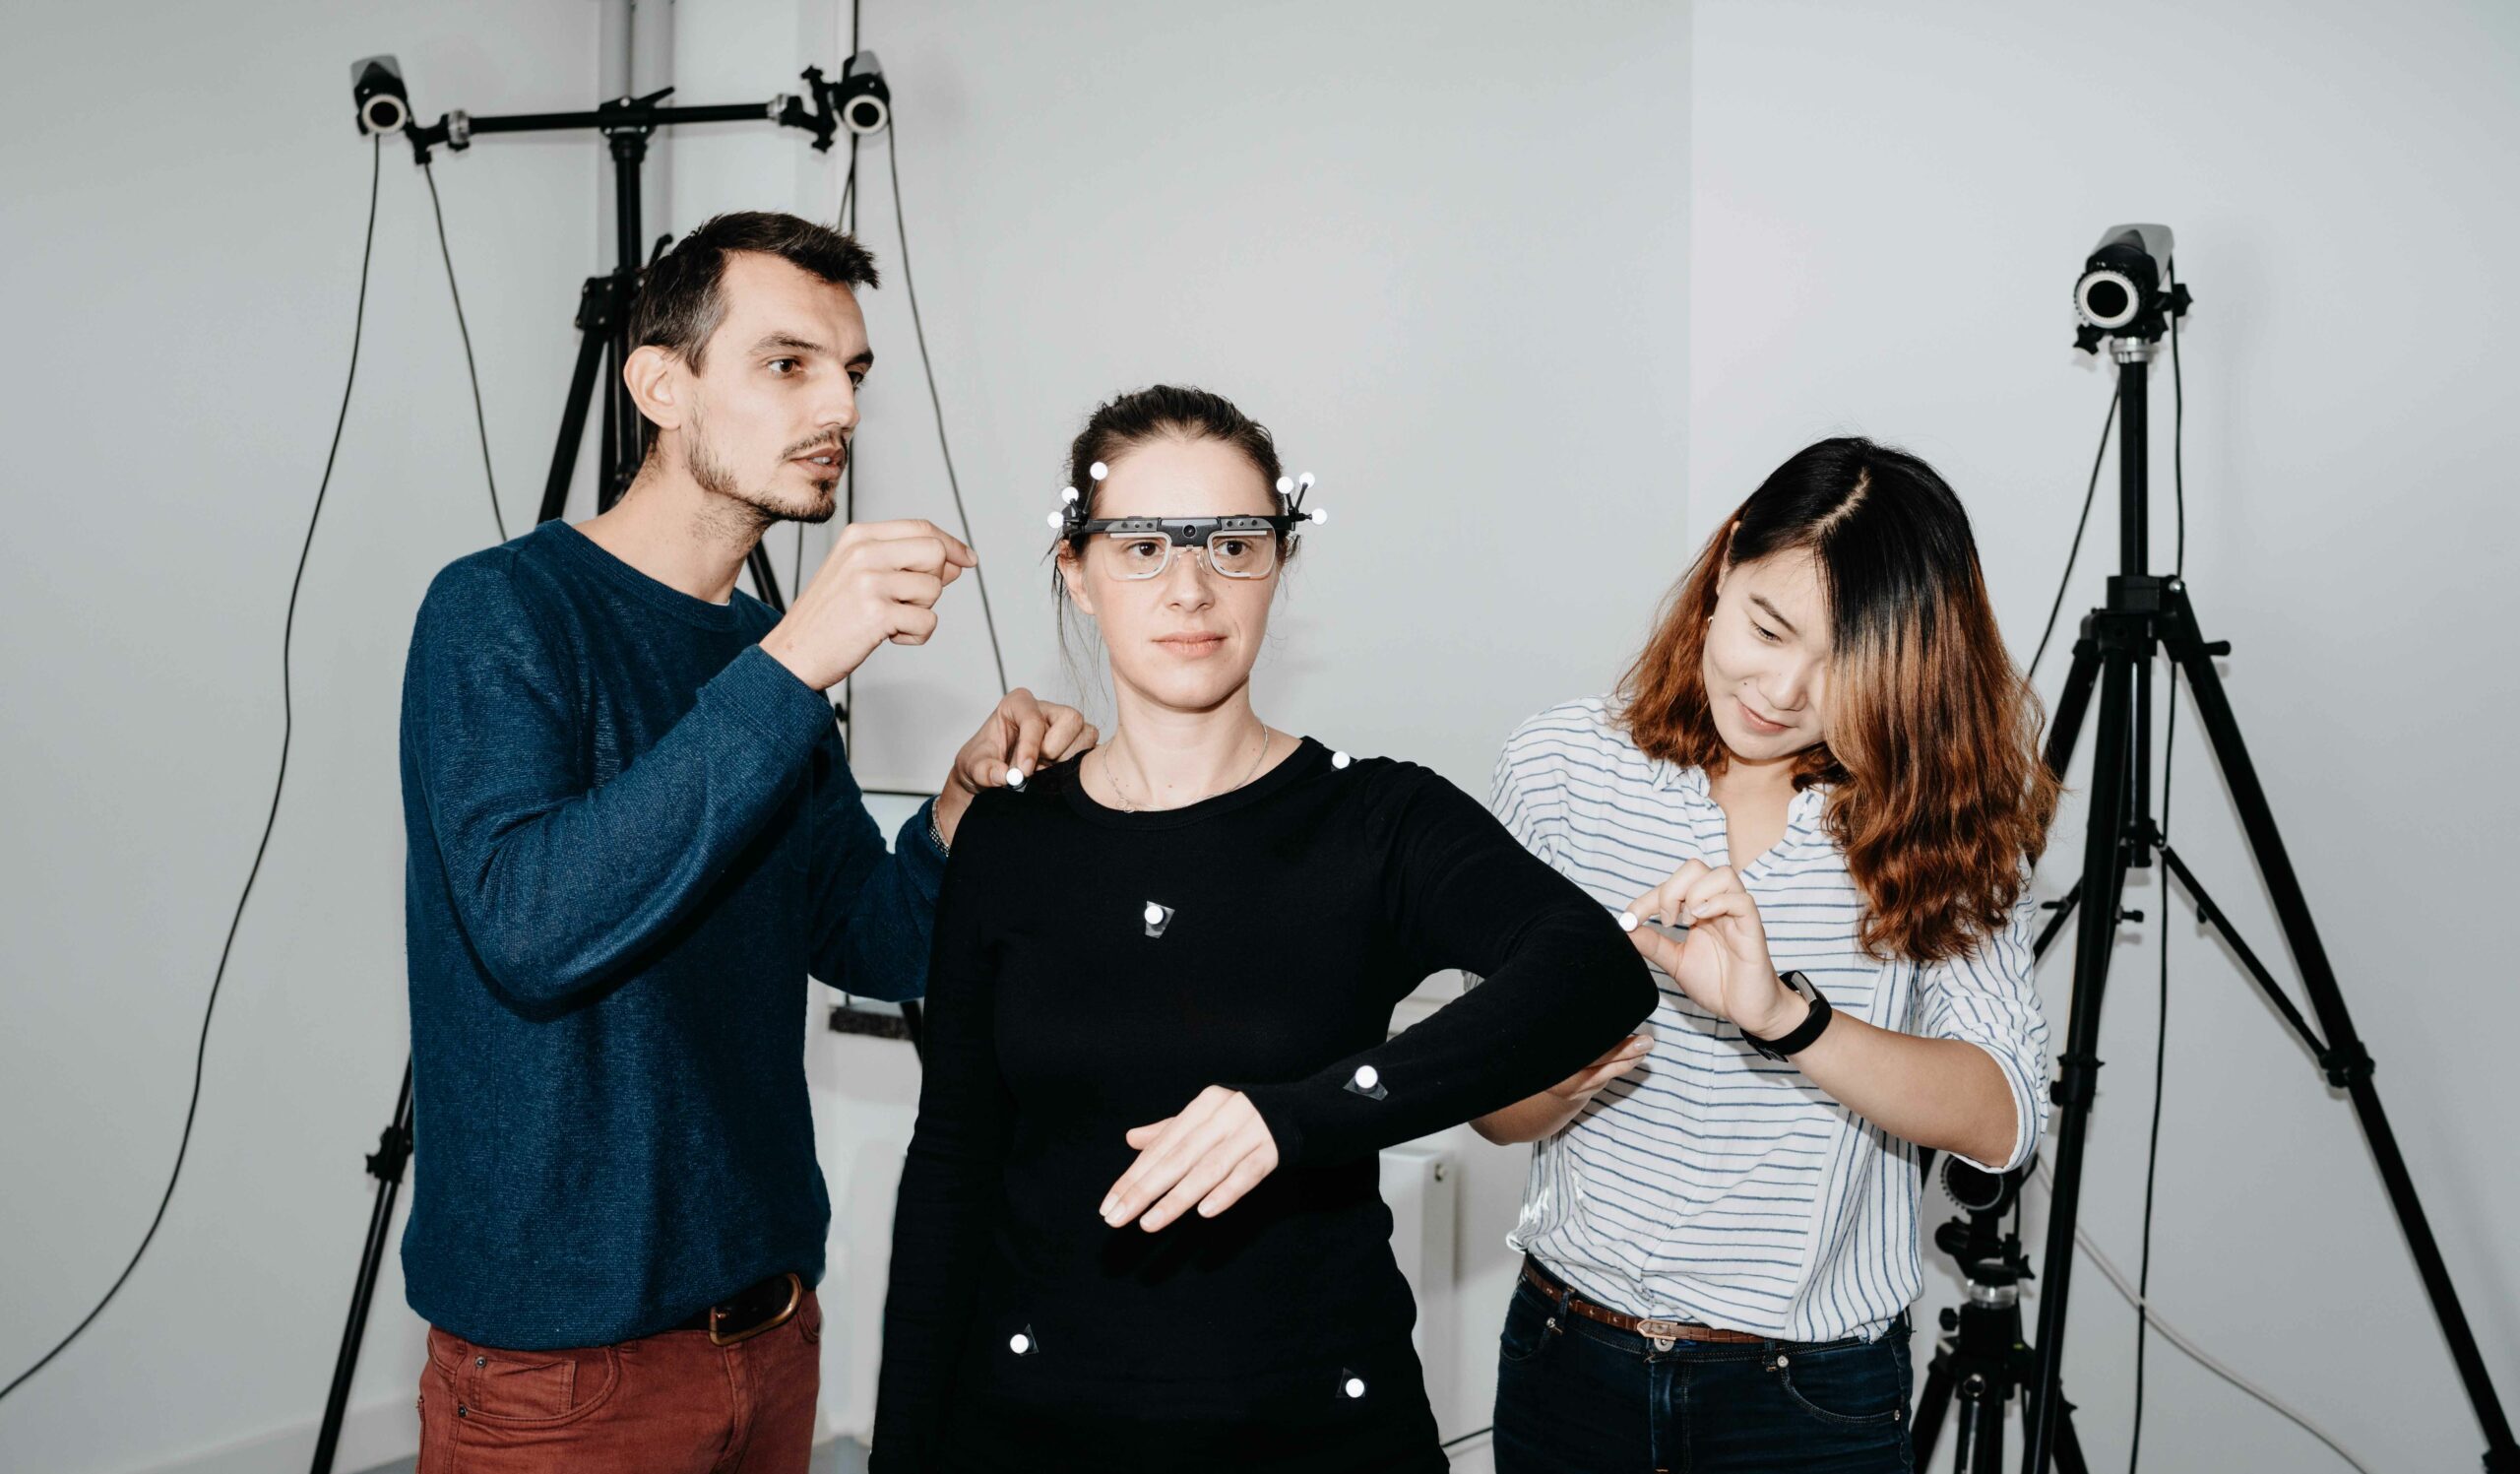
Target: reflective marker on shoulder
x,y
1340,759
1627,921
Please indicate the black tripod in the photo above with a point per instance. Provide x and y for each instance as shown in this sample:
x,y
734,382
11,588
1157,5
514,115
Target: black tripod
x,y
1981,1358
2114,654
604,325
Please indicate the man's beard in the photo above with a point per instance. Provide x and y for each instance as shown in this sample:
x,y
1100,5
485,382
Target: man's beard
x,y
771,503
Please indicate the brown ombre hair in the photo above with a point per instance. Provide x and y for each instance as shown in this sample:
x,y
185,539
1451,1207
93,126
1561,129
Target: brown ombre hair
x,y
1937,795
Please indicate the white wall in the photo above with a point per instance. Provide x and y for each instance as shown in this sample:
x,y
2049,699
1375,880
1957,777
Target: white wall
x,y
1891,205
1440,249
1471,267
184,193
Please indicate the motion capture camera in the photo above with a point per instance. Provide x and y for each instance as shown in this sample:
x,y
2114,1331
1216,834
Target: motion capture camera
x,y
863,101
1979,1191
2120,292
376,86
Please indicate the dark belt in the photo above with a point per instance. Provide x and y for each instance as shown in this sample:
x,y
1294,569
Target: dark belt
x,y
1663,1332
749,1312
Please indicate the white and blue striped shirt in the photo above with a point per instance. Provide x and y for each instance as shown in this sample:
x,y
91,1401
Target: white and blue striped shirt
x,y
1710,1184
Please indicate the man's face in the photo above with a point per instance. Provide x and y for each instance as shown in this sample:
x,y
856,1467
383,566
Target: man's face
x,y
774,406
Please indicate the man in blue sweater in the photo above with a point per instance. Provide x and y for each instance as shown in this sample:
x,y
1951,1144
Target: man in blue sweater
x,y
633,833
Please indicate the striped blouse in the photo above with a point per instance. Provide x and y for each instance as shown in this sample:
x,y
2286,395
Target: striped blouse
x,y
1710,1184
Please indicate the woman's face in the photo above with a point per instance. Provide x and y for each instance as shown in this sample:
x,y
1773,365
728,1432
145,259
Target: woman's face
x,y
1185,639
1767,654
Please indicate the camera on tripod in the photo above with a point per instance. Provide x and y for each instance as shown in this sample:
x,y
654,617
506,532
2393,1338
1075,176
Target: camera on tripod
x,y
2121,292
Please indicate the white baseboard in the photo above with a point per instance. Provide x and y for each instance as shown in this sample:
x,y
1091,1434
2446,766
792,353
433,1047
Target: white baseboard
x,y
370,1434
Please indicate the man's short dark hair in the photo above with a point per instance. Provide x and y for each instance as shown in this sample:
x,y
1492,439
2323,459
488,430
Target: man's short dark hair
x,y
681,304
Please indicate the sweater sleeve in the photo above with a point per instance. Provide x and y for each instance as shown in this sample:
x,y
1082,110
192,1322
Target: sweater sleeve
x,y
557,886
953,1184
873,910
1561,982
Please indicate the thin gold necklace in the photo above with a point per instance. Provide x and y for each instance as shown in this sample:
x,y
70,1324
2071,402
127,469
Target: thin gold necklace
x,y
1267,738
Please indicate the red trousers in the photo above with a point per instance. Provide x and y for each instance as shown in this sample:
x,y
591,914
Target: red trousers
x,y
669,1403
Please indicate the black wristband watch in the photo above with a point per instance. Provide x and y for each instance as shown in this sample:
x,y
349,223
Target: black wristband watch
x,y
1800,1037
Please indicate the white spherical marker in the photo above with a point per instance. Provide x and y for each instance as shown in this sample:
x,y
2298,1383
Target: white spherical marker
x,y
1015,778
1340,759
1627,921
1056,519
1355,1386
1153,915
1019,1343
1367,1077
1098,470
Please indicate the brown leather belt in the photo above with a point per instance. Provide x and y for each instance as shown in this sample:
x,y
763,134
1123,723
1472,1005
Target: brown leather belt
x,y
749,1312
1663,1332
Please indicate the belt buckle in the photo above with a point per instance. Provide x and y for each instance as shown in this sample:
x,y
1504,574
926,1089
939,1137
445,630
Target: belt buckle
x,y
1661,1333
796,1298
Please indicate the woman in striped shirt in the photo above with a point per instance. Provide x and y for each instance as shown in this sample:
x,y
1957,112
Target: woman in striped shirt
x,y
1814,800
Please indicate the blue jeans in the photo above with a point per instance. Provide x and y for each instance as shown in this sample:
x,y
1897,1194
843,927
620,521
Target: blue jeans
x,y
1574,1396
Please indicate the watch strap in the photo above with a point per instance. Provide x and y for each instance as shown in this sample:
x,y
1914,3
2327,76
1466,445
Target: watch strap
x,y
1801,1035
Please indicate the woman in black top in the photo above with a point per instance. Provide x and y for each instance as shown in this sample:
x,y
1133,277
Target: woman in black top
x,y
1140,1225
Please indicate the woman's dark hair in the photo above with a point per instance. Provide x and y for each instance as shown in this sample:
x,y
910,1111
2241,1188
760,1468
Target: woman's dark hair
x,y
682,302
1939,797
1163,412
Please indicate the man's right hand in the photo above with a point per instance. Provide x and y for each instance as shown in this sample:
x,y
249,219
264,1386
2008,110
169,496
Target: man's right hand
x,y
880,583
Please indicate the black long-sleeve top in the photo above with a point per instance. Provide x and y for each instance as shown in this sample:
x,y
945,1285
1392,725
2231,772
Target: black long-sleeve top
x,y
1290,917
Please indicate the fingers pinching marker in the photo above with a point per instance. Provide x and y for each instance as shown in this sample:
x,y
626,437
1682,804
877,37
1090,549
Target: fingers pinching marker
x,y
1157,916
1367,1082
1627,921
1015,778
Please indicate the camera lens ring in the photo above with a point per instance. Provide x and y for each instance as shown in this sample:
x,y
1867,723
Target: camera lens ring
x,y
2107,298
384,113
865,113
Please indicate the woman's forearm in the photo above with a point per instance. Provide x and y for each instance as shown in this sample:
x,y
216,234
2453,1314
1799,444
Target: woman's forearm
x,y
1527,1120
1947,1094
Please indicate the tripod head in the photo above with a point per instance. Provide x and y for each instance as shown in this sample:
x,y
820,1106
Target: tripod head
x,y
1988,1256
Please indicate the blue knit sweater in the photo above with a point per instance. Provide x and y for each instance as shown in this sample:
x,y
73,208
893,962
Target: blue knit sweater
x,y
632,834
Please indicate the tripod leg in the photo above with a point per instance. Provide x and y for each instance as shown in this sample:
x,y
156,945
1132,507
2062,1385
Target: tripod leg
x,y
573,426
2349,1065
392,1151
2070,1448
2066,727
1931,1405
765,581
2103,888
